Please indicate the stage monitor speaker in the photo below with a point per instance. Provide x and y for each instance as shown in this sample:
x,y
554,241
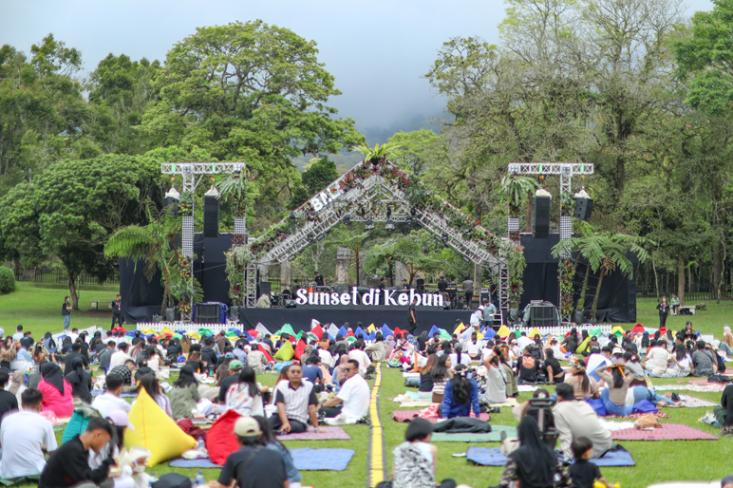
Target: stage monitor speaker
x,y
485,295
209,313
263,288
211,217
541,216
583,208
543,316
420,285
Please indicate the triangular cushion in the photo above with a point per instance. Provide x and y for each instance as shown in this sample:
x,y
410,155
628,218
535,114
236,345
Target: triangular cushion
x,y
150,428
220,439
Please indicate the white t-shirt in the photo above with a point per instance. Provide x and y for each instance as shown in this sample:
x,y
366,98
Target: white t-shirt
x,y
523,342
595,361
23,434
118,358
472,349
326,357
355,397
465,359
362,358
657,359
106,403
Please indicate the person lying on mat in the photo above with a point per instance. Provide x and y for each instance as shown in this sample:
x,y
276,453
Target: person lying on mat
x,y
461,396
254,465
534,464
296,401
576,418
352,402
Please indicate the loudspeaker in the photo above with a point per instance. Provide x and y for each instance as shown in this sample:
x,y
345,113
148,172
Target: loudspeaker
x,y
209,313
211,217
420,285
263,288
583,208
541,216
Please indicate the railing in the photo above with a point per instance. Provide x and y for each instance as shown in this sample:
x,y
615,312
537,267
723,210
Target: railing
x,y
59,277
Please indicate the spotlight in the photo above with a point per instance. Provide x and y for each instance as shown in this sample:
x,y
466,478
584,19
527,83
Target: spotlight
x,y
369,225
347,219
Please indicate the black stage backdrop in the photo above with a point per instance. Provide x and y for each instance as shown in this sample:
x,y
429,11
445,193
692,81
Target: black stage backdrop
x,y
617,302
141,298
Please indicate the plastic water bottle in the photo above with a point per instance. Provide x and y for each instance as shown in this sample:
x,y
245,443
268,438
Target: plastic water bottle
x,y
199,480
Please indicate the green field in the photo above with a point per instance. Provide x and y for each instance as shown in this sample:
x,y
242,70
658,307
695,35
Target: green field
x,y
37,307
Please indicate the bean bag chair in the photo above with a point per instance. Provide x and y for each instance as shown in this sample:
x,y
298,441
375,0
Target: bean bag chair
x,y
152,429
220,439
286,352
459,328
503,332
299,350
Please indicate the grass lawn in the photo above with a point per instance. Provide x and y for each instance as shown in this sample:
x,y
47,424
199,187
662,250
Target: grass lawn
x,y
37,308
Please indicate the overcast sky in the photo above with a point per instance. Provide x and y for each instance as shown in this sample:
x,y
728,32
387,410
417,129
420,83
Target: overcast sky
x,y
378,50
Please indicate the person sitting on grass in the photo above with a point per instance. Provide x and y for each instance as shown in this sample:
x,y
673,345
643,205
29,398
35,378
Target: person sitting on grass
x,y
617,385
8,401
296,401
69,464
461,396
270,441
533,464
583,473
80,380
576,418
555,373
253,465
110,400
244,396
352,402
414,459
703,360
26,437
56,391
151,385
185,393
234,368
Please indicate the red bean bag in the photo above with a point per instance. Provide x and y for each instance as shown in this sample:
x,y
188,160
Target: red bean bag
x,y
220,440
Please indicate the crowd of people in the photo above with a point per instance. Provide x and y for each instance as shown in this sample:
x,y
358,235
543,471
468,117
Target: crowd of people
x,y
467,374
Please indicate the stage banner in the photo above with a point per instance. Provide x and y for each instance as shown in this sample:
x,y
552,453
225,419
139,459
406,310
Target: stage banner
x,y
370,297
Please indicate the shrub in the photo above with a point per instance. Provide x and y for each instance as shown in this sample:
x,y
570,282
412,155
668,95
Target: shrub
x,y
7,280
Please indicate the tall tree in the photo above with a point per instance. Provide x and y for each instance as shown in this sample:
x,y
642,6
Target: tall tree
x,y
252,91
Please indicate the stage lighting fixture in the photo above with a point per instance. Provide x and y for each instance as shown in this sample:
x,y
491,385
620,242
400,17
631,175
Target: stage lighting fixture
x,y
389,225
445,238
389,212
369,224
347,219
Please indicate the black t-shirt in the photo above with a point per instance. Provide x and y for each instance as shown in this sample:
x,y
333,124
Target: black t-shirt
x,y
8,403
726,401
225,384
555,365
65,309
412,313
584,473
69,466
254,467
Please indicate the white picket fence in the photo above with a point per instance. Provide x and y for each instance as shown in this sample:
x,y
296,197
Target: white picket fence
x,y
187,326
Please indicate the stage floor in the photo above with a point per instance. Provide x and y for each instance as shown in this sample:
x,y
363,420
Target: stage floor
x,y
300,317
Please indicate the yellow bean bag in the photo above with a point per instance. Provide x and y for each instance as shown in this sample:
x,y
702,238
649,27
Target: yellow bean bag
x,y
286,352
503,332
459,328
150,428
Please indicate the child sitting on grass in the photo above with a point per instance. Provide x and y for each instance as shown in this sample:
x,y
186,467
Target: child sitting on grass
x,y
583,473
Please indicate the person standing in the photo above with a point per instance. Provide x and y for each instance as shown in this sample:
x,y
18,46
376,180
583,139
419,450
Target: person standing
x,y
117,311
468,291
66,313
319,279
412,316
663,308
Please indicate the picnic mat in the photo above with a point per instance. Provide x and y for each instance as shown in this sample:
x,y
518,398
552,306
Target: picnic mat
x,y
323,434
668,432
492,456
693,402
304,459
493,436
703,387
414,399
687,484
407,415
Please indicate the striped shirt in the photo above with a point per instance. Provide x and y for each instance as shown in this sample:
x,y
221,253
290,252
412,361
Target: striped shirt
x,y
296,400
